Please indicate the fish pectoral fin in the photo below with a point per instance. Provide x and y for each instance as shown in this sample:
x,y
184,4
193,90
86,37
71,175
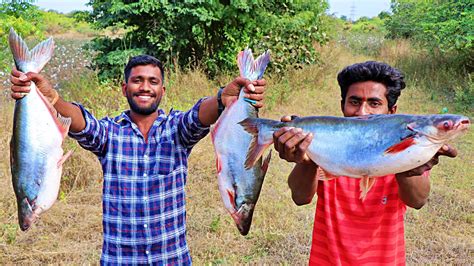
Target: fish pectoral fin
x,y
231,195
401,146
324,175
365,185
218,163
64,123
64,158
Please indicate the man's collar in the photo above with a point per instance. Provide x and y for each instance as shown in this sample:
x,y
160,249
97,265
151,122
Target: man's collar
x,y
125,119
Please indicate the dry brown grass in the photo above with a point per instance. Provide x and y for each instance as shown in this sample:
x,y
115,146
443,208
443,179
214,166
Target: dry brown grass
x,y
70,233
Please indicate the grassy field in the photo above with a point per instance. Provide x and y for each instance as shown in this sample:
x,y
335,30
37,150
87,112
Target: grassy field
x,y
70,232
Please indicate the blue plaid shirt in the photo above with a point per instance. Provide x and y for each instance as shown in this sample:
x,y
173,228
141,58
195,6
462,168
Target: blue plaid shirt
x,y
144,216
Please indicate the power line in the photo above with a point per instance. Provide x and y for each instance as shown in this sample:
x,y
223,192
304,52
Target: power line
x,y
352,14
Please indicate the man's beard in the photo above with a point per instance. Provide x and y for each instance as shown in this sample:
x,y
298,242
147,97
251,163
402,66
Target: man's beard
x,y
142,110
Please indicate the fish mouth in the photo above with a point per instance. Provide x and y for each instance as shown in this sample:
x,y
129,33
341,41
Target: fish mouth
x,y
243,217
460,127
463,125
27,221
27,214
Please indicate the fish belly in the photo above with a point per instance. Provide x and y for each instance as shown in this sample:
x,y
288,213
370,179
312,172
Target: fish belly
x,y
231,142
36,151
342,155
406,160
239,187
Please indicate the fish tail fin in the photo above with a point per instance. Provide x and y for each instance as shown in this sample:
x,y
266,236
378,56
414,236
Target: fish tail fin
x,y
262,132
365,185
266,163
26,60
252,69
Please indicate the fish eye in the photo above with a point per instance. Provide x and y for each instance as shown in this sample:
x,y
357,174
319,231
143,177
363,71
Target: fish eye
x,y
447,124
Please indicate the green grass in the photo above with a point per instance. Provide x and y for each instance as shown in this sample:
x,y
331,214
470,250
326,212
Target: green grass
x,y
70,232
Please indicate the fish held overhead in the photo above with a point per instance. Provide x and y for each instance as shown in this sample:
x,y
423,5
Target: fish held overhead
x,y
239,187
36,156
363,147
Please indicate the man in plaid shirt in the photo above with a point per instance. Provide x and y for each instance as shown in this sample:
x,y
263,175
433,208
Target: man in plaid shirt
x,y
144,156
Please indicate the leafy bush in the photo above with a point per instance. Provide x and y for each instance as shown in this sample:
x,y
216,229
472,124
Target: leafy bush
x,y
33,24
362,43
365,36
24,26
54,23
366,25
439,24
207,33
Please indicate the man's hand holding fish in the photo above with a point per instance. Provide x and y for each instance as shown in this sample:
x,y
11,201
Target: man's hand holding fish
x,y
384,157
21,85
143,153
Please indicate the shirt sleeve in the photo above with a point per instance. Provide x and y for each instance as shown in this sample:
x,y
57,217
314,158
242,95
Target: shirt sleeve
x,y
94,136
190,128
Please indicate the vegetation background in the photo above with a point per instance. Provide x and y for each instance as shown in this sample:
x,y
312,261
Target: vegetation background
x,y
430,41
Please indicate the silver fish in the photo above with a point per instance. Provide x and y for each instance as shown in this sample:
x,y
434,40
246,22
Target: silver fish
x,y
36,156
363,147
239,187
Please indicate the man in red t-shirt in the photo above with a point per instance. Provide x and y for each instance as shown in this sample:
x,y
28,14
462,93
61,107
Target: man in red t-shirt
x,y
347,230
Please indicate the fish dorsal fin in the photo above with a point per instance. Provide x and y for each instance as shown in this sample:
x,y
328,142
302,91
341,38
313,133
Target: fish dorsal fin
x,y
402,145
26,60
365,185
252,69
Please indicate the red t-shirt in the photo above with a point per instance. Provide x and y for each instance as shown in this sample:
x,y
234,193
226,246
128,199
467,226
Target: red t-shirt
x,y
349,231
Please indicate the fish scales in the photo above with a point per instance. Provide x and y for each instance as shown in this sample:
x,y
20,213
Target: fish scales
x,y
239,187
36,155
363,147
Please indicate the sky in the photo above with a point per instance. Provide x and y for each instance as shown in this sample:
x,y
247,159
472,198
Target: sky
x,y
348,8
63,6
358,8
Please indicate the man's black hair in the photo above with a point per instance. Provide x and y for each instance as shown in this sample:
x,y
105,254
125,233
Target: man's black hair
x,y
143,60
391,77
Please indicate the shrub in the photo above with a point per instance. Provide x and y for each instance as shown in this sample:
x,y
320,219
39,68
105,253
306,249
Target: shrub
x,y
207,34
441,25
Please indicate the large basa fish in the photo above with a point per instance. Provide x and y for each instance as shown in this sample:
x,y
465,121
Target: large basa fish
x,y
239,187
36,156
363,147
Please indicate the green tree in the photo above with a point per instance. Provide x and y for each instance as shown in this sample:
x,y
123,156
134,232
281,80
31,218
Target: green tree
x,y
19,8
207,33
383,15
443,25
24,17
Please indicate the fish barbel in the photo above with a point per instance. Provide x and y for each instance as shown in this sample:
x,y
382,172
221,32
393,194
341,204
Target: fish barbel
x,y
36,156
363,147
239,187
